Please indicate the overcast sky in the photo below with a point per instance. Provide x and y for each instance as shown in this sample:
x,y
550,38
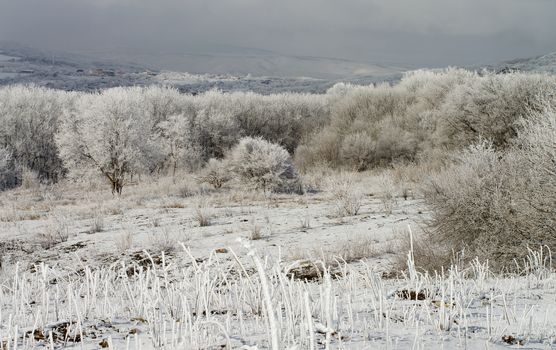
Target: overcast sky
x,y
404,32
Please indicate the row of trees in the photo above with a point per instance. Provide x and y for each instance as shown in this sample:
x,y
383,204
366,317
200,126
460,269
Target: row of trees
x,y
427,112
123,132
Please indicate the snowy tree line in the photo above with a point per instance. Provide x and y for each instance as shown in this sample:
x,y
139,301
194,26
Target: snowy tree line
x,y
125,132
122,132
424,117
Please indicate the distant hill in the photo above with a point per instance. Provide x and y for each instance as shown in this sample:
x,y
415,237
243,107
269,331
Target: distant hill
x,y
230,69
223,70
256,62
540,64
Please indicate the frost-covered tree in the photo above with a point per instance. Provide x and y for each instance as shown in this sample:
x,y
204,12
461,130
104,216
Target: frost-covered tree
x,y
214,133
28,122
167,131
110,133
179,147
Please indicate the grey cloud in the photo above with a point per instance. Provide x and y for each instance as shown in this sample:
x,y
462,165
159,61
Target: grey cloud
x,y
405,32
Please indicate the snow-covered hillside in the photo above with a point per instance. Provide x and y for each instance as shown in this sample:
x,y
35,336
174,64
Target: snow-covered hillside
x,y
259,71
254,72
256,62
540,64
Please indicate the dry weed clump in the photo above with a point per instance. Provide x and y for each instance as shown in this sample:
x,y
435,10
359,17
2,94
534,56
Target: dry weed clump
x,y
305,222
124,242
388,195
166,240
255,232
203,217
97,224
353,248
427,253
186,191
57,231
29,180
347,197
203,213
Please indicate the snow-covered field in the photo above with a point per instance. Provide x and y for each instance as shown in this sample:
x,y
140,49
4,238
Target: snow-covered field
x,y
84,269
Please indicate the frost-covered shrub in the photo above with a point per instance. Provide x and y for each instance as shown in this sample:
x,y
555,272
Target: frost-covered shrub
x,y
536,148
347,197
216,173
427,111
8,174
491,106
367,128
473,205
321,150
495,205
218,120
168,133
358,149
264,165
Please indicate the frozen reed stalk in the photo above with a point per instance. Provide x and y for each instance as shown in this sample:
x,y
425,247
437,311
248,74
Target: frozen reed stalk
x,y
309,321
274,331
327,307
411,257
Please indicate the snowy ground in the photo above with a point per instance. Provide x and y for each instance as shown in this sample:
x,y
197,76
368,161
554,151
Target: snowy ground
x,y
107,285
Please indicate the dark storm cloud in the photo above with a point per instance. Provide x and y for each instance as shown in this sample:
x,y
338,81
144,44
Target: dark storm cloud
x,y
411,32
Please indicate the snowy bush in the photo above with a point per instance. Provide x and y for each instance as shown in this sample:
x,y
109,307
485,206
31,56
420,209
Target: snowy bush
x,y
347,197
491,107
368,127
427,111
495,205
264,165
358,149
473,204
8,175
536,148
216,173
